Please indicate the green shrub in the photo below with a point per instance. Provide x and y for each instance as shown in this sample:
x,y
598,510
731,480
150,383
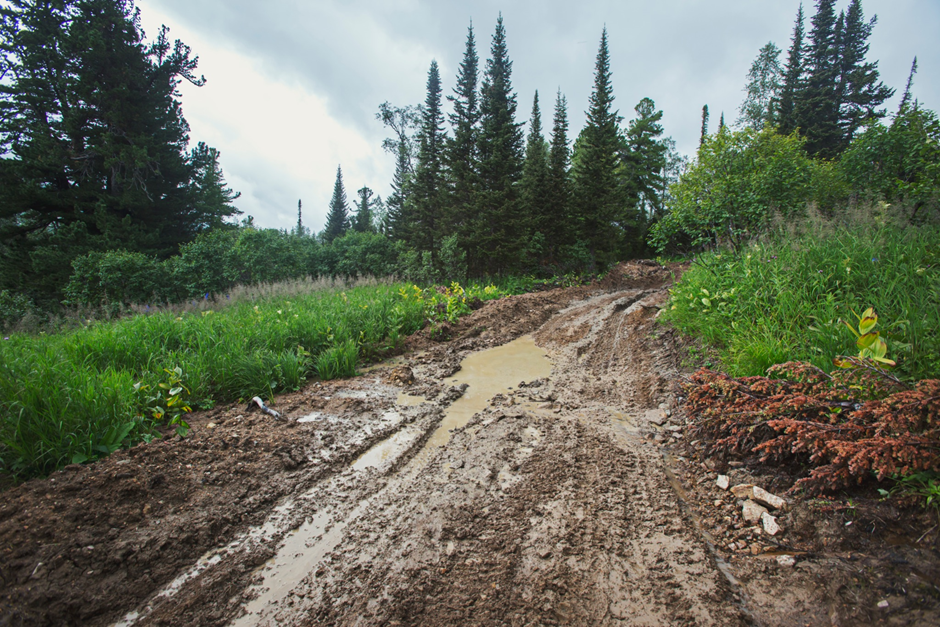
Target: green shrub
x,y
338,361
115,277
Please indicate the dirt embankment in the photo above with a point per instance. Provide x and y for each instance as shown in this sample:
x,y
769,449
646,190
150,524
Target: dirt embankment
x,y
391,499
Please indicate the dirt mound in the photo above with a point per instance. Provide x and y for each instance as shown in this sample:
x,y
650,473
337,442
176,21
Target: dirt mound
x,y
638,274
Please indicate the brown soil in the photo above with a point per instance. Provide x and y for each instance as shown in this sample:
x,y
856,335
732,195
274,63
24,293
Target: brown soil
x,y
562,502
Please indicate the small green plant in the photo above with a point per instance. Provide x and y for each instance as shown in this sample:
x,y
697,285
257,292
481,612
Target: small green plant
x,y
338,361
167,401
872,347
923,485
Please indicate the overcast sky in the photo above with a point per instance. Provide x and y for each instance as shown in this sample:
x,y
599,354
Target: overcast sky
x,y
293,86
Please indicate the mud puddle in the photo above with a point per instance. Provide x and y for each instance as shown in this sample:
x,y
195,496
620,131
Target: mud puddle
x,y
485,374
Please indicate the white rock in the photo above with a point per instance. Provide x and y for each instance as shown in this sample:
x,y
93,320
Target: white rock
x,y
752,512
786,560
764,497
743,490
656,416
723,482
769,523
883,604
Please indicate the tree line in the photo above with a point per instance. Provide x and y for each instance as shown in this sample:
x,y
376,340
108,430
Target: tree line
x,y
511,201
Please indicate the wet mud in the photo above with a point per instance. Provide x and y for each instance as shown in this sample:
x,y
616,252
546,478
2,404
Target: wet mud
x,y
529,470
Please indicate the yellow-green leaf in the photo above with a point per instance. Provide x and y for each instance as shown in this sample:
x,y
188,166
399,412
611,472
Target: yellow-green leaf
x,y
867,324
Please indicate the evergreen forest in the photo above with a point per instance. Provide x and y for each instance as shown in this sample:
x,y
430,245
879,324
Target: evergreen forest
x,y
106,200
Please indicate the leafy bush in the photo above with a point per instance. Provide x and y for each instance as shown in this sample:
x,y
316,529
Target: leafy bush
x,y
14,308
739,181
899,162
338,361
115,277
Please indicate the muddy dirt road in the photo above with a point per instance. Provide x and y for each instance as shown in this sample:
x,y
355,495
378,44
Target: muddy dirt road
x,y
517,474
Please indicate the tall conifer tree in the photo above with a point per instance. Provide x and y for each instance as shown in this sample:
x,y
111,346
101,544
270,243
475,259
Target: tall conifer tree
x,y
557,207
535,175
337,220
704,132
792,76
363,220
817,103
427,192
862,91
498,221
462,149
598,201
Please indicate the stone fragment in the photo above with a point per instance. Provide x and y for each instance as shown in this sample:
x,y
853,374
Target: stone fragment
x,y
656,416
752,512
769,523
786,560
764,497
718,502
883,604
723,482
743,490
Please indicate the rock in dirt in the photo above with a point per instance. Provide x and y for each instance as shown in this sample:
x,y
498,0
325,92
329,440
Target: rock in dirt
x,y
656,416
752,512
723,482
786,560
743,490
769,523
402,375
764,497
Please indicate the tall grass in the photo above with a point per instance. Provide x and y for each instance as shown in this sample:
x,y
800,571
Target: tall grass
x,y
783,298
71,396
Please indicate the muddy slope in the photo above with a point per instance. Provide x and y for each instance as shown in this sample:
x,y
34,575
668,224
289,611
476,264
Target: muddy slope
x,y
568,498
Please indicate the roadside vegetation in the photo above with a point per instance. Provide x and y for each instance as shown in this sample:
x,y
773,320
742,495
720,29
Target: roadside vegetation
x,y
80,394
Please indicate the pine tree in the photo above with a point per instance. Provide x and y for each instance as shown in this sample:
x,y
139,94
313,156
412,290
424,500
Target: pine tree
x,y
721,122
644,161
427,190
862,92
763,90
497,220
363,220
337,220
461,153
558,199
300,218
93,143
906,98
598,201
792,75
817,103
398,221
704,133
535,176
211,199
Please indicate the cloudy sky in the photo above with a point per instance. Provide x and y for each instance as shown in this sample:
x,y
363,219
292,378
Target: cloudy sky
x,y
293,85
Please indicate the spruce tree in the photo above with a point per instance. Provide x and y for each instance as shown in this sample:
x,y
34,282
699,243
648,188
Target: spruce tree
x,y
363,220
535,176
397,217
862,91
558,200
906,98
427,191
817,103
792,77
598,201
704,132
644,161
300,219
497,223
337,220
461,155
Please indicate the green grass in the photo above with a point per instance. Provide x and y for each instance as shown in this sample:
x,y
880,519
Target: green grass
x,y
71,396
783,299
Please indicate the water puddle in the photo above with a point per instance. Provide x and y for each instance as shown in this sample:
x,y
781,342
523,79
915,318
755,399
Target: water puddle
x,y
311,417
388,450
407,400
487,373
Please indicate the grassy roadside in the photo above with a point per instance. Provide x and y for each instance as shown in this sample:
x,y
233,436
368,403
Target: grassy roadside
x,y
782,299
81,394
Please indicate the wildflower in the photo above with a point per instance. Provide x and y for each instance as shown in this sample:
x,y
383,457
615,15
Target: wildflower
x,y
206,297
874,259
7,337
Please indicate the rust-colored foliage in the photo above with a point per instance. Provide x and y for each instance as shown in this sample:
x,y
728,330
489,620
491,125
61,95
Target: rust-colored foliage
x,y
839,429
